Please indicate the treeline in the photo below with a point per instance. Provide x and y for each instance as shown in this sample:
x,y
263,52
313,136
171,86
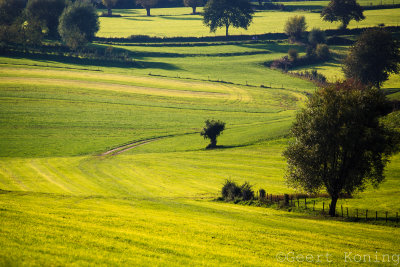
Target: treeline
x,y
29,22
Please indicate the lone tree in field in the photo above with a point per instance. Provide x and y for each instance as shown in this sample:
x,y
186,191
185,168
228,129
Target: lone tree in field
x,y
295,28
147,4
339,143
193,4
47,12
109,4
226,13
344,11
211,131
373,57
78,24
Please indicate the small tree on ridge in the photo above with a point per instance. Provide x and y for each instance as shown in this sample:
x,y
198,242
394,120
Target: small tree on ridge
x,y
211,131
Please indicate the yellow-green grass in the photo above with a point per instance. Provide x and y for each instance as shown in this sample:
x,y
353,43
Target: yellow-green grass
x,y
173,22
65,204
54,229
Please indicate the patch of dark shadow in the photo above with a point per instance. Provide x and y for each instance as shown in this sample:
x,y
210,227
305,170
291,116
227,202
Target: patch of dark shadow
x,y
179,18
159,65
139,54
74,60
136,18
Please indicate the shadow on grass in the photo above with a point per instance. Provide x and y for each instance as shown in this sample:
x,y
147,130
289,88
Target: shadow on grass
x,y
89,62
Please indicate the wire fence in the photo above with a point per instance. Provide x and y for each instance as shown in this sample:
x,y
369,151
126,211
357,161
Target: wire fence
x,y
302,202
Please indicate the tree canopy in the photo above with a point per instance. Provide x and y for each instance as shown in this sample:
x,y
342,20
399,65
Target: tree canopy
x,y
212,130
344,11
373,57
79,23
47,12
339,143
147,4
295,27
226,13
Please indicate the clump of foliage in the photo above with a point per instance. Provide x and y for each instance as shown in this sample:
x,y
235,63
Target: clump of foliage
x,y
295,28
14,25
193,4
247,191
312,75
315,37
78,24
374,56
344,11
232,191
262,194
322,52
339,143
211,131
293,54
47,12
226,13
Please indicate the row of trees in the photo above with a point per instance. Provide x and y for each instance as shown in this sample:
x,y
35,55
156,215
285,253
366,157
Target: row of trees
x,y
28,22
239,13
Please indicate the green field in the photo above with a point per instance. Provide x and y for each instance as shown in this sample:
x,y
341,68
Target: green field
x,y
174,22
65,201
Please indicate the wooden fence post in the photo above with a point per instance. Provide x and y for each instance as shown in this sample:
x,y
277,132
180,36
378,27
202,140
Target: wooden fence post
x,y
323,207
313,207
341,206
305,202
376,215
366,215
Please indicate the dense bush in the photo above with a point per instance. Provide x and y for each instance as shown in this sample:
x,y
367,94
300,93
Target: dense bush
x,y
247,191
295,28
322,52
47,12
312,75
316,36
78,24
232,191
293,54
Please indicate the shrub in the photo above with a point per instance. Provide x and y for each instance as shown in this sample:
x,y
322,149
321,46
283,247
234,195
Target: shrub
x,y
322,52
282,63
230,191
48,12
247,191
293,54
78,24
316,36
295,27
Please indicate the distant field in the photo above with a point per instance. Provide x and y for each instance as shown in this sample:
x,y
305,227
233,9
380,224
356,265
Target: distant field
x,y
174,22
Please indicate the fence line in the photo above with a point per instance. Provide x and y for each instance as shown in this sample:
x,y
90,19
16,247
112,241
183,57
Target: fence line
x,y
305,202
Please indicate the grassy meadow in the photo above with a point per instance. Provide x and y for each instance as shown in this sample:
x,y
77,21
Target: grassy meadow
x,y
64,202
172,22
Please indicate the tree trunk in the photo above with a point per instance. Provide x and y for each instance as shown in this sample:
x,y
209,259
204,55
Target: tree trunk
x,y
332,209
109,12
148,11
227,30
194,9
213,143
